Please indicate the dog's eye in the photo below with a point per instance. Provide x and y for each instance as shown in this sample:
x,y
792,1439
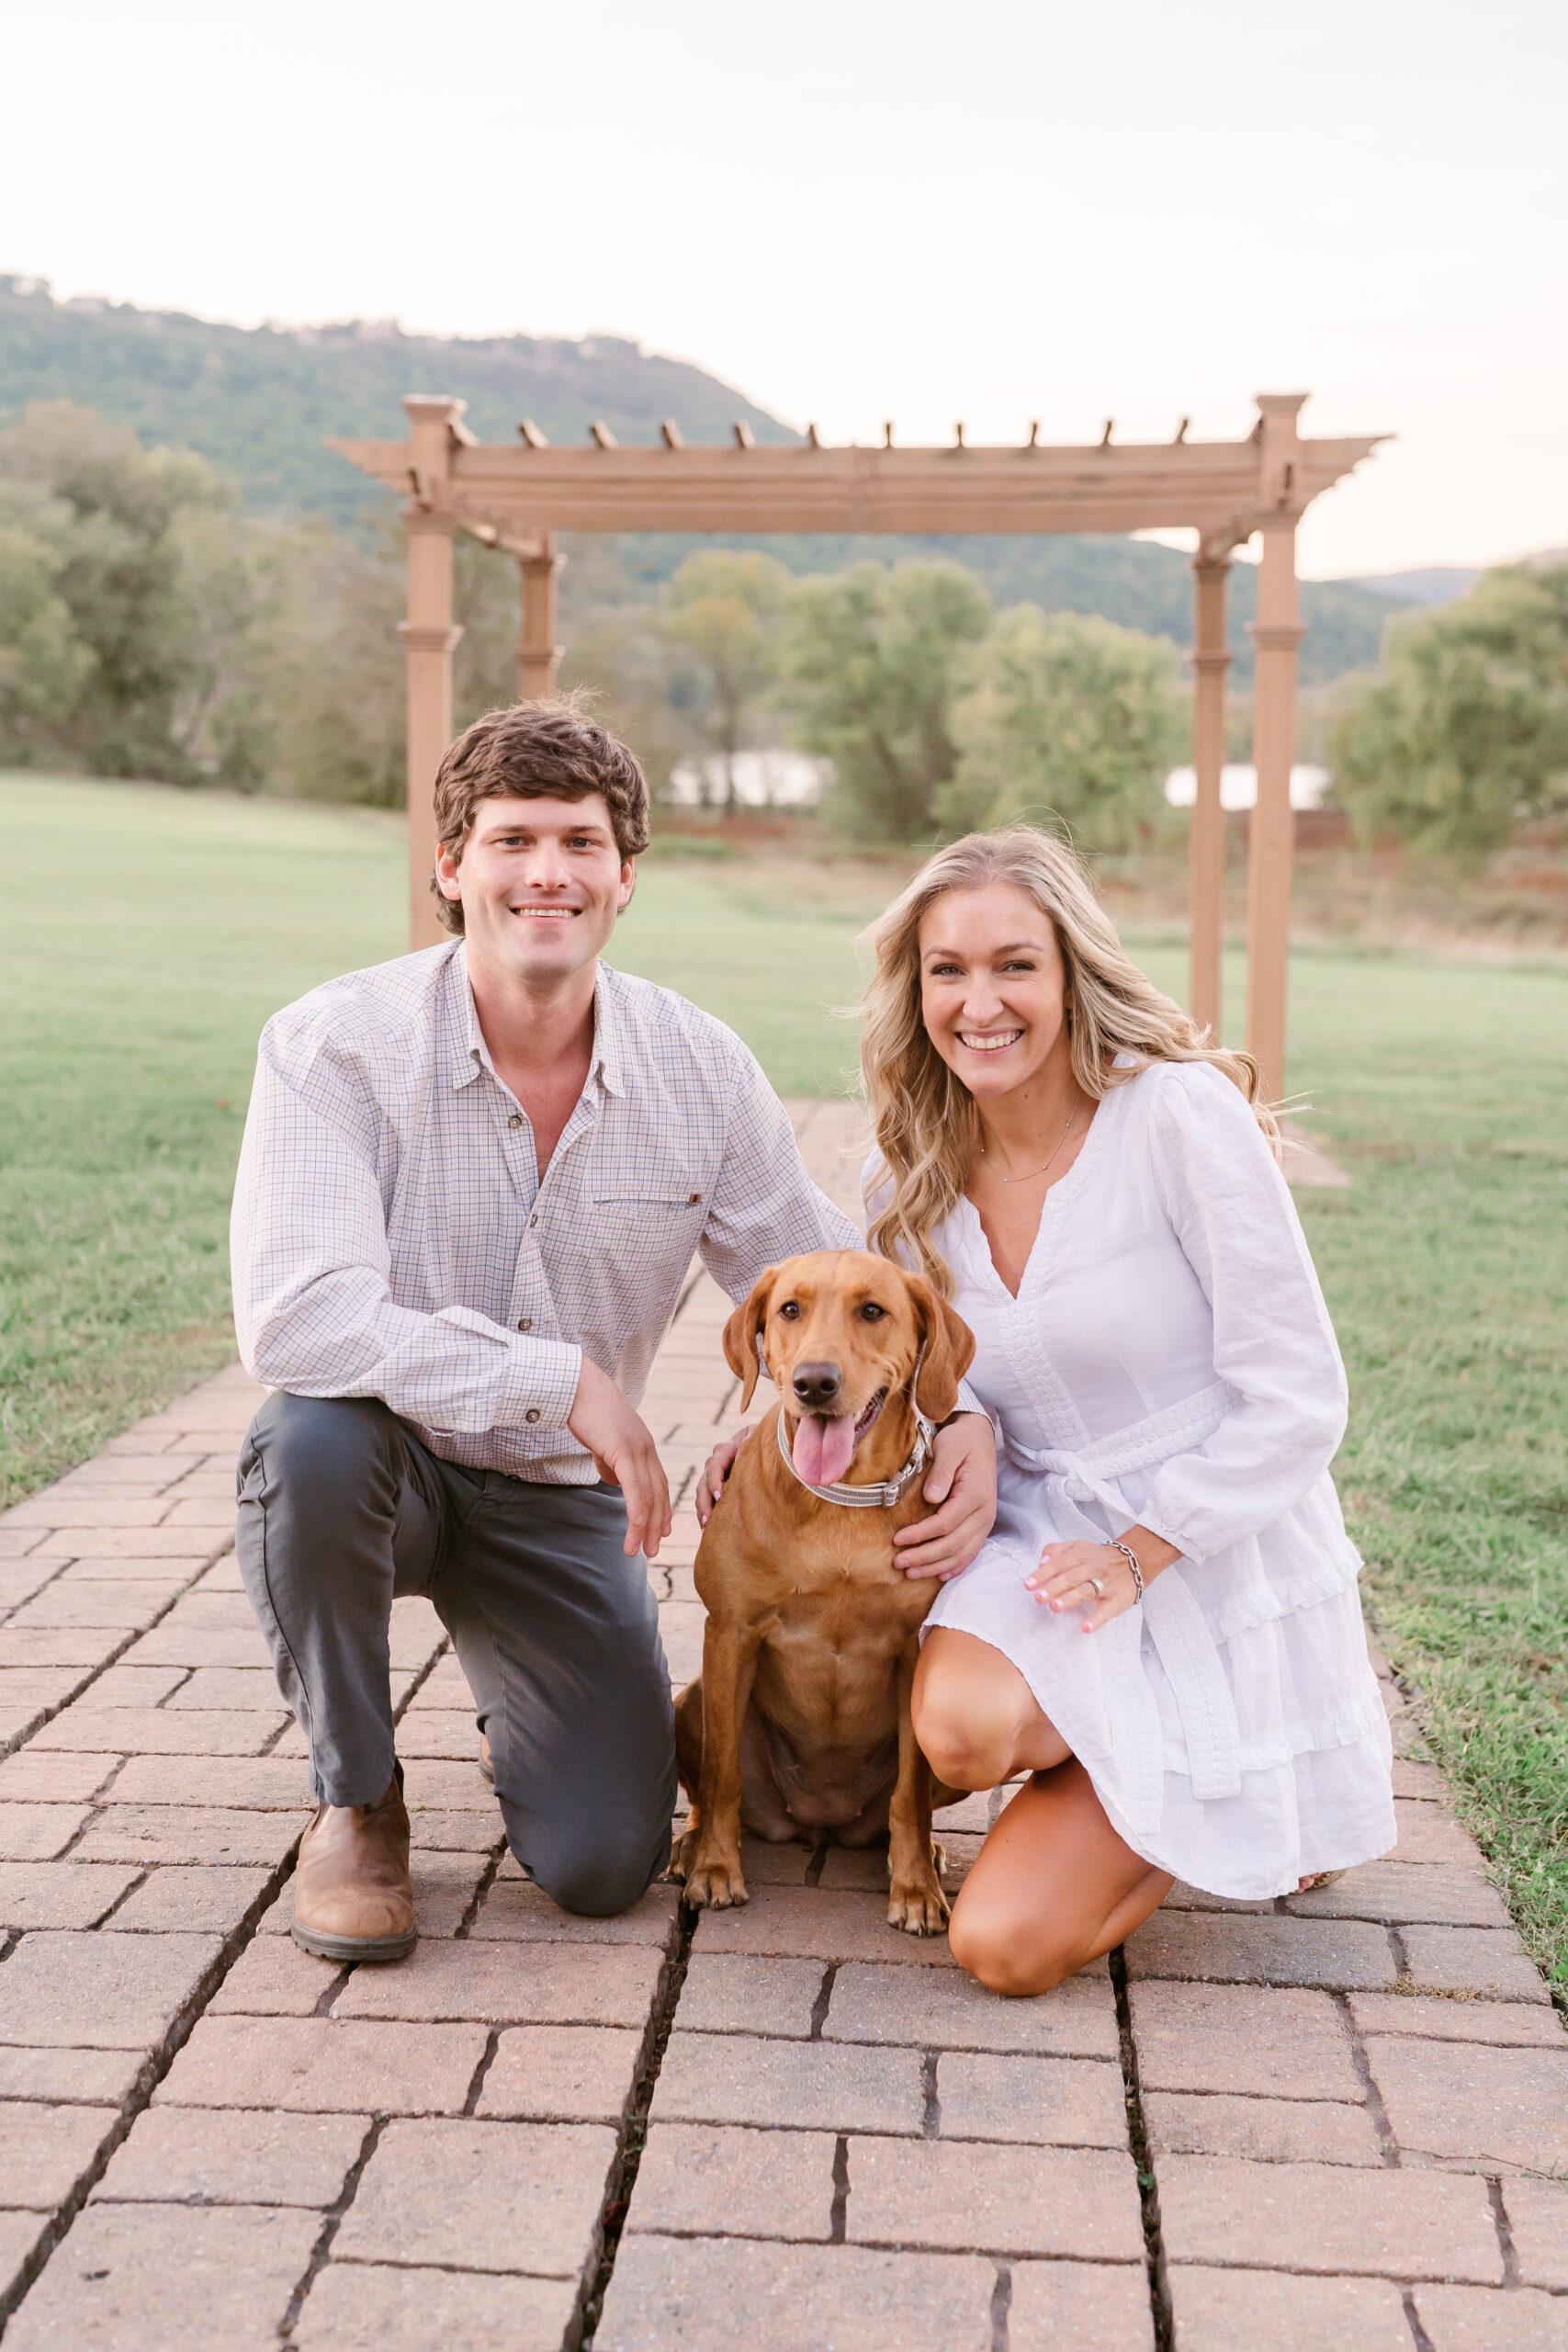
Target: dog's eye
x,y
871,1312
789,1311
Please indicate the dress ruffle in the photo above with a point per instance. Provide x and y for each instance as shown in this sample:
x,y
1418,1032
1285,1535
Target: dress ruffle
x,y
1313,1747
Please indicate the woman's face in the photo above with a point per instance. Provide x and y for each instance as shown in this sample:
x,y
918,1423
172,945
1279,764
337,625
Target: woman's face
x,y
992,986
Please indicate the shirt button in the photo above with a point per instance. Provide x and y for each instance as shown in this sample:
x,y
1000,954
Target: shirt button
x,y
533,1220
693,1200
516,1120
527,1324
532,1414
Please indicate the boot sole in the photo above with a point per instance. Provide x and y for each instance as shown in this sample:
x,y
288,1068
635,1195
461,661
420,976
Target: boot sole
x,y
324,1947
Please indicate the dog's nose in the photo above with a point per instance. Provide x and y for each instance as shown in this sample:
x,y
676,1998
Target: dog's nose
x,y
816,1385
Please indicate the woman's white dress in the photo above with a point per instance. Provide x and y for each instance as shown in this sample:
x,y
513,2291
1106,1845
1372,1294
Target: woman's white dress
x,y
1169,1361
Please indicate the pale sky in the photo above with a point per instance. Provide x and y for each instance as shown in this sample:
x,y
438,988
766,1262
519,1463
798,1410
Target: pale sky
x,y
875,208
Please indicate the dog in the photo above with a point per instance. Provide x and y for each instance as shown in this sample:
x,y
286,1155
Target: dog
x,y
800,1722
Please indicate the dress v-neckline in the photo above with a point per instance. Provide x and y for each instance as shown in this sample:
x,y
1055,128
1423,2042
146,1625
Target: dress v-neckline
x,y
1054,1193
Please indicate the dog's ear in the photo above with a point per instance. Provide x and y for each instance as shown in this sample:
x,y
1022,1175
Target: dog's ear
x,y
740,1336
949,1351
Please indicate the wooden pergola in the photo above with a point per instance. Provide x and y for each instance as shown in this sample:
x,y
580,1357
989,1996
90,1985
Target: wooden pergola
x,y
520,497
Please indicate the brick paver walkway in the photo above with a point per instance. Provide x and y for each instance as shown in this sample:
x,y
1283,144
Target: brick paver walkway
x,y
1330,2123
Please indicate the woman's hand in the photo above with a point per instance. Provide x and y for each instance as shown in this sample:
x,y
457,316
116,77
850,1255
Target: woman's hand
x,y
963,1481
1096,1577
714,1471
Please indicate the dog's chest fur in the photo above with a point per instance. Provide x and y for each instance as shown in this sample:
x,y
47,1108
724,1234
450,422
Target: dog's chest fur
x,y
817,1582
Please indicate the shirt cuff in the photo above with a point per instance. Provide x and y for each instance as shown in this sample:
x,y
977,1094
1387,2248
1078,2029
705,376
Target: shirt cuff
x,y
541,1385
1191,1553
968,1402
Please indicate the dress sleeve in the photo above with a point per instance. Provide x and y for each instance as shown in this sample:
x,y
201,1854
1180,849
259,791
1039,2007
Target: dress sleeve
x,y
313,1309
1231,1210
764,1206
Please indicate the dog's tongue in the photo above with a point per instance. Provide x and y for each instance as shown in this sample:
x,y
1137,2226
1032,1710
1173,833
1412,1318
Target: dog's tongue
x,y
823,1450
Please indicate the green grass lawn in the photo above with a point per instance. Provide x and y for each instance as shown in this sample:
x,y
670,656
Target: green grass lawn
x,y
151,933
166,927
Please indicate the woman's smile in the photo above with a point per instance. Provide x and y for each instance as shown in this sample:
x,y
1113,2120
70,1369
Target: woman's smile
x,y
976,1042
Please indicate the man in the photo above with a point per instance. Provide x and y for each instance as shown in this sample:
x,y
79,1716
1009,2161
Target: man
x,y
472,1182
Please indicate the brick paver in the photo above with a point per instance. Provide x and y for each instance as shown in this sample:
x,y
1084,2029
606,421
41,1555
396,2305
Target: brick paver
x,y
804,2128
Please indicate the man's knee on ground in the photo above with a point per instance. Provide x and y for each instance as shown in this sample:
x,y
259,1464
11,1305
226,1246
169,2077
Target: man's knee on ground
x,y
599,1877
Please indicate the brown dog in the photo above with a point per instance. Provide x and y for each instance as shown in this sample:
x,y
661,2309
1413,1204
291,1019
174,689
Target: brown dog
x,y
800,1722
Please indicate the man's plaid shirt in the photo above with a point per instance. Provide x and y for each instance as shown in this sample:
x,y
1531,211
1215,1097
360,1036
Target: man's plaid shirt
x,y
391,1238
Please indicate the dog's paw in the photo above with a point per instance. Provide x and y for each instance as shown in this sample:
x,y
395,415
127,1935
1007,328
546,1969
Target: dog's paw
x,y
681,1852
714,1886
918,1905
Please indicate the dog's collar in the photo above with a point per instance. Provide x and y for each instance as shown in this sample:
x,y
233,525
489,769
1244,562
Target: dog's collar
x,y
882,1496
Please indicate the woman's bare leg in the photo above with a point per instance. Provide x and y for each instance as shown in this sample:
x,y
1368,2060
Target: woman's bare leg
x,y
976,1717
1054,1886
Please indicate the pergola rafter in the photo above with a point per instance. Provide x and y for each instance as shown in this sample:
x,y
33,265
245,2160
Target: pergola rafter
x,y
519,498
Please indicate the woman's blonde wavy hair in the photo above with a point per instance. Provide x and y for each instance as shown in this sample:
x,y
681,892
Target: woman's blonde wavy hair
x,y
923,1115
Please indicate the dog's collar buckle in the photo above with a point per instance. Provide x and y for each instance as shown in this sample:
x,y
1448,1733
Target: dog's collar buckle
x,y
886,1494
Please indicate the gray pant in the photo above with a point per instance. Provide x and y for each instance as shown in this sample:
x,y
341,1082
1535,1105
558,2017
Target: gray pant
x,y
341,1508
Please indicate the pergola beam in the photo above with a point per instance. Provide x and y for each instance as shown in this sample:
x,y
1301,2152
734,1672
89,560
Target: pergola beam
x,y
520,497
1171,485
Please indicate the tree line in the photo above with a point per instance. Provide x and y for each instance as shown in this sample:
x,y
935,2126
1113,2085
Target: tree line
x,y
150,628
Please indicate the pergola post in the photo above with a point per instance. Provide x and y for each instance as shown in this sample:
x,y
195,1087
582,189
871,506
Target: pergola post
x,y
1206,841
1276,634
538,655
429,638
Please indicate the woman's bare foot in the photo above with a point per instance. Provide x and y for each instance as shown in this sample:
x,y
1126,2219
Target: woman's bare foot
x,y
1310,1884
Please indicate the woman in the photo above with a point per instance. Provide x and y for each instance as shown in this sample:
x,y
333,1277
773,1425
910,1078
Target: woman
x,y
1164,1630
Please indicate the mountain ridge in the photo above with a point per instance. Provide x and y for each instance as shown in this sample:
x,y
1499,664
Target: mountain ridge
x,y
261,402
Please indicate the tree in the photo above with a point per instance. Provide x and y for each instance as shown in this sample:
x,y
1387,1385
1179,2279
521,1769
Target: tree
x,y
107,509
724,608
1464,730
1066,717
645,690
43,663
330,667
875,655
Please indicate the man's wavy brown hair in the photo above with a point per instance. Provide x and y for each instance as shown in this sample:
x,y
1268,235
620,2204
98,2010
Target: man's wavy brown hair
x,y
535,750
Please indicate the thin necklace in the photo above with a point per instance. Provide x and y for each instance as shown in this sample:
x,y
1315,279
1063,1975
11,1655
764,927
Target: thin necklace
x,y
1061,1140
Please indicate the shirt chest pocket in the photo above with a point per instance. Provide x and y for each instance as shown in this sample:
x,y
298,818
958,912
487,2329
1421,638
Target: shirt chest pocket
x,y
650,1210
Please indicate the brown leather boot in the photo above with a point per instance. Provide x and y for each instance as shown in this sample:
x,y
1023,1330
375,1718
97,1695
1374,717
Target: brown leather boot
x,y
353,1895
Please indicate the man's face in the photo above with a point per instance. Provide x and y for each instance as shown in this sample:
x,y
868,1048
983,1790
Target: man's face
x,y
541,883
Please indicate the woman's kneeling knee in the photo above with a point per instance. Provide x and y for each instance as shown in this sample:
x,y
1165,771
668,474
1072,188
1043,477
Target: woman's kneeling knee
x,y
962,1753
996,1954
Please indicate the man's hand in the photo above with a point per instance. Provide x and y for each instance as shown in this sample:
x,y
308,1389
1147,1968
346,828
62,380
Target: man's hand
x,y
624,1454
714,1471
963,1479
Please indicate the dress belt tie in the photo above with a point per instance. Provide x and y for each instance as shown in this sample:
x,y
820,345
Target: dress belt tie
x,y
1176,1623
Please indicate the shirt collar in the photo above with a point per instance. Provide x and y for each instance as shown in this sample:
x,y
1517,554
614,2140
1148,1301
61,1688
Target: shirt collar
x,y
471,1054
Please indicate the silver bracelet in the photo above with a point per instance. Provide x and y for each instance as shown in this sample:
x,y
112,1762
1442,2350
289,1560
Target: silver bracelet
x,y
1132,1559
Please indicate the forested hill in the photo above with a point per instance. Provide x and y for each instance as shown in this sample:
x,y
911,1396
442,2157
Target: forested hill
x,y
260,403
